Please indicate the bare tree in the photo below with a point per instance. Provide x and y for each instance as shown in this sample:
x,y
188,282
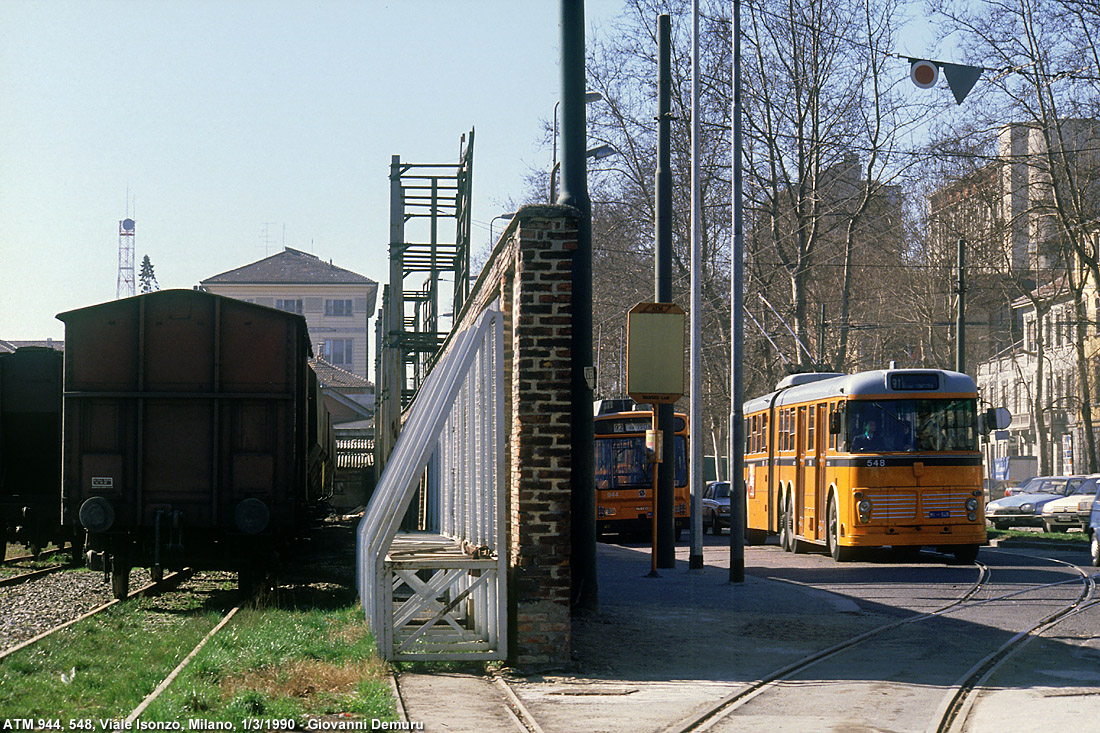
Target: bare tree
x,y
1050,84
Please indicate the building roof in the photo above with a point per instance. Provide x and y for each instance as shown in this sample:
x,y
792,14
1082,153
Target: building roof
x,y
333,376
10,346
290,267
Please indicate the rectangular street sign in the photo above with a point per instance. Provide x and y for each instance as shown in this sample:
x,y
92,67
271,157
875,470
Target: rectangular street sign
x,y
655,353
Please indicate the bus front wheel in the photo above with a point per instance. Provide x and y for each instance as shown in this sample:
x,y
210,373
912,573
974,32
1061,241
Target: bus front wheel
x,y
965,554
840,554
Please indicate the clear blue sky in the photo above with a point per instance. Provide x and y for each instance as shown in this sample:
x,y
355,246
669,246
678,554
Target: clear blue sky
x,y
223,117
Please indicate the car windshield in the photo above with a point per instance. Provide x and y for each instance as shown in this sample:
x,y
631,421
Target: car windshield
x,y
1081,486
913,425
722,490
1045,485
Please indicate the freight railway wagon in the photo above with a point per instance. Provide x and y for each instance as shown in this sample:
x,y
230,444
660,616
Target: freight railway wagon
x,y
30,448
866,460
194,434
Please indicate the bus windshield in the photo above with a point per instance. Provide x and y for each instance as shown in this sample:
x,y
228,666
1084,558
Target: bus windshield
x,y
621,462
913,425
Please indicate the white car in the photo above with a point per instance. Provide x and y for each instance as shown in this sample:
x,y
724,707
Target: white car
x,y
1071,510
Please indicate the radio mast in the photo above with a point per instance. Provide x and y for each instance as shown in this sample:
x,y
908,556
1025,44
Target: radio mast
x,y
125,284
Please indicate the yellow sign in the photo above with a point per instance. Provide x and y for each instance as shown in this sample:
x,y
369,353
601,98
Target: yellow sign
x,y
655,353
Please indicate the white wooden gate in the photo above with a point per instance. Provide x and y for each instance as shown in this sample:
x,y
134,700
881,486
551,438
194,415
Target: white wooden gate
x,y
442,596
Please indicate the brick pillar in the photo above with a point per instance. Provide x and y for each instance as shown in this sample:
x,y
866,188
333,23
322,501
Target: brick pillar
x,y
539,586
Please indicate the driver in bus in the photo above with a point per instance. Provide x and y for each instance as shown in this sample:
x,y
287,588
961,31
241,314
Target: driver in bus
x,y
869,439
903,440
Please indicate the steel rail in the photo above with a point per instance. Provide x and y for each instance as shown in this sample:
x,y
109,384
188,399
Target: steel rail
x,y
136,712
706,718
513,707
956,704
734,700
29,575
144,590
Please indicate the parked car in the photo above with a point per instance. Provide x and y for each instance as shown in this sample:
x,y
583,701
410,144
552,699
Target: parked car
x,y
1026,509
1071,510
716,506
1040,485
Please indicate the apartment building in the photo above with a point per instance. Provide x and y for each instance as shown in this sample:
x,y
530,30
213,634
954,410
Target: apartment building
x,y
336,303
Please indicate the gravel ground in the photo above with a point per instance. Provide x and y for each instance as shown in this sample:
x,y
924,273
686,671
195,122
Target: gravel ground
x,y
37,605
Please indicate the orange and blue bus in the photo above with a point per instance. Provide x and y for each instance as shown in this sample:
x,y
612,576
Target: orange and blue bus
x,y
624,477
878,458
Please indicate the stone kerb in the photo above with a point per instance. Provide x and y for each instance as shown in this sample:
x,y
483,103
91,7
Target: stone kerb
x,y
530,271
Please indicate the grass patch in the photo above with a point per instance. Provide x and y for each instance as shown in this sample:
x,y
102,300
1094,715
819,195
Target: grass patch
x,y
1069,538
118,656
282,663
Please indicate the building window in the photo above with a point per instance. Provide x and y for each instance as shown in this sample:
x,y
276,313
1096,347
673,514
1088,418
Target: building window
x,y
338,308
290,305
338,351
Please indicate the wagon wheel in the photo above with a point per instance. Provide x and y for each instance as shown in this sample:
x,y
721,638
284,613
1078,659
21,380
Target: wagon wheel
x,y
120,580
76,549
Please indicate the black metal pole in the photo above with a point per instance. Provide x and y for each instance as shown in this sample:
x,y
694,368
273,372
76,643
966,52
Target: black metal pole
x,y
662,271
737,412
960,314
574,192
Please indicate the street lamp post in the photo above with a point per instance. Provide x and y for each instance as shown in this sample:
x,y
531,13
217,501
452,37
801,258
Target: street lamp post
x,y
589,97
509,216
597,153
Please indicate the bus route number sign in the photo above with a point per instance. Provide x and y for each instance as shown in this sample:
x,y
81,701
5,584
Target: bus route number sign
x,y
655,353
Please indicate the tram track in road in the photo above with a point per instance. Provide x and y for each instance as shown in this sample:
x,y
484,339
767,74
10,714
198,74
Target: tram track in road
x,y
951,711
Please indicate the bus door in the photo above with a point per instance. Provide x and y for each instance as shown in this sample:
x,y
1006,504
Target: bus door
x,y
820,446
803,476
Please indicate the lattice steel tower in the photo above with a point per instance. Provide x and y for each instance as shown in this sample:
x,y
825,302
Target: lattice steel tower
x,y
125,286
416,311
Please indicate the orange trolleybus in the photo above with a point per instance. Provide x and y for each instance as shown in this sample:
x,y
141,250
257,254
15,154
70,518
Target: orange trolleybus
x,y
624,478
866,460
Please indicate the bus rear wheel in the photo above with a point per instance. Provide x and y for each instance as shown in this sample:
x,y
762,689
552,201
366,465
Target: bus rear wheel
x,y
786,531
832,537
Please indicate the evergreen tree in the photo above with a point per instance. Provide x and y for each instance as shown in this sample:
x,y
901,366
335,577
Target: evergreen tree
x,y
148,278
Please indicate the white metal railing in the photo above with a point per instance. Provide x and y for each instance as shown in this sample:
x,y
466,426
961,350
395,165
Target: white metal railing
x,y
442,596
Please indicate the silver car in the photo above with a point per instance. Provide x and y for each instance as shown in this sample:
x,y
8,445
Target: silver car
x,y
716,506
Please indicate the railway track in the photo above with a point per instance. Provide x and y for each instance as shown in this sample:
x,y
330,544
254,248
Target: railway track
x,y
168,581
29,575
